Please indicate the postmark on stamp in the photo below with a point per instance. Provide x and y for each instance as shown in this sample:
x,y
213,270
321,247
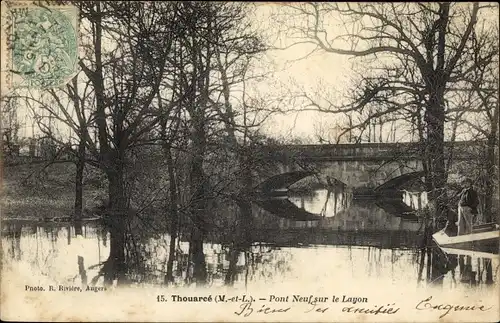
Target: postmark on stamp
x,y
42,46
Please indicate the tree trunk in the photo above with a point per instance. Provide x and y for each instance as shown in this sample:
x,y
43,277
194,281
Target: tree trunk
x,y
173,214
243,236
80,161
233,260
198,256
80,165
434,119
488,268
117,220
380,139
490,176
242,239
245,204
199,205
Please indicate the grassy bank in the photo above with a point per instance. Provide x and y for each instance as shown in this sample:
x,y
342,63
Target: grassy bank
x,y
36,191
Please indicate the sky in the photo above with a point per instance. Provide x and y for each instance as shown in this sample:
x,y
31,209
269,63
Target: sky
x,y
331,70
294,73
326,72
296,70
291,74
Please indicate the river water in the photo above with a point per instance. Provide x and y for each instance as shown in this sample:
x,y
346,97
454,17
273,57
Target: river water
x,y
357,240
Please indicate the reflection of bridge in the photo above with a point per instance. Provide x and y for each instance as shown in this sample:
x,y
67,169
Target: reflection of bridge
x,y
315,236
372,166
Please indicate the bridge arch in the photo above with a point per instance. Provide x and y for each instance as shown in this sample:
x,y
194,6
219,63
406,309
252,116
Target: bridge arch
x,y
282,181
370,166
399,181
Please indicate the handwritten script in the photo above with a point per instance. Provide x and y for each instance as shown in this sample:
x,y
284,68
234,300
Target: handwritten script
x,y
247,308
426,304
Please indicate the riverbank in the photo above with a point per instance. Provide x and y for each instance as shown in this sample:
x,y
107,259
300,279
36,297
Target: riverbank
x,y
40,191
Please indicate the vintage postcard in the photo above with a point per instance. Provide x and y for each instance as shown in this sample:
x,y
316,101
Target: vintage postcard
x,y
249,162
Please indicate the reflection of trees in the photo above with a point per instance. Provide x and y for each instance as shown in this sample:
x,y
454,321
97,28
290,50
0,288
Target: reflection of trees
x,y
257,263
438,264
415,200
340,200
467,274
236,261
241,241
45,251
373,259
482,274
14,235
267,263
488,268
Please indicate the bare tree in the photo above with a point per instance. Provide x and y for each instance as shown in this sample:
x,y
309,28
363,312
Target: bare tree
x,y
480,112
71,111
125,67
214,59
10,128
425,43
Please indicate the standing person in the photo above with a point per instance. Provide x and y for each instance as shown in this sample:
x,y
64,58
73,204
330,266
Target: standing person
x,y
467,207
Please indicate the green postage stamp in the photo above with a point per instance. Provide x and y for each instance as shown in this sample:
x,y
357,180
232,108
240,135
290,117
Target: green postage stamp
x,y
42,45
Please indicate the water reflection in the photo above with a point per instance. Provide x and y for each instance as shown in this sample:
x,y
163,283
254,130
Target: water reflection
x,y
326,203
339,201
13,236
359,215
454,270
59,254
415,200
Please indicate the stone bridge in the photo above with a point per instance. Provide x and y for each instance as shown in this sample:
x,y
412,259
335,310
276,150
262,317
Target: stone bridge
x,y
366,166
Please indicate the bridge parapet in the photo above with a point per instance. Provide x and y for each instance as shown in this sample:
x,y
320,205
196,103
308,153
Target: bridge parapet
x,y
366,151
363,166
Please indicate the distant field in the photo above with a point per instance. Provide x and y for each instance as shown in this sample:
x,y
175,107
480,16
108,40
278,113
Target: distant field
x,y
32,191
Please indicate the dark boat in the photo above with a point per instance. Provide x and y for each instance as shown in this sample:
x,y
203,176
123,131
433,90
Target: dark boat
x,y
484,240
